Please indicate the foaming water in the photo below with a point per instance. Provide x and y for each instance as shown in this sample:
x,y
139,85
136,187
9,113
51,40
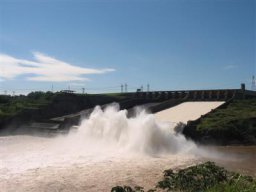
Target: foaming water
x,y
105,134
141,134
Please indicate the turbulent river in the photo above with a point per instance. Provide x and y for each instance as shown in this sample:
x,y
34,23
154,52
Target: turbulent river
x,y
107,149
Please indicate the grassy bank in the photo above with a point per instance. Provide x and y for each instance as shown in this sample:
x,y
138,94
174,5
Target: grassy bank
x,y
10,106
206,177
235,124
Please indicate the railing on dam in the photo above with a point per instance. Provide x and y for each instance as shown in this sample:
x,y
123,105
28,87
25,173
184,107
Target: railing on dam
x,y
197,95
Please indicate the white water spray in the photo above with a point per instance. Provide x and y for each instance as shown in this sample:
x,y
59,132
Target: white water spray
x,y
140,134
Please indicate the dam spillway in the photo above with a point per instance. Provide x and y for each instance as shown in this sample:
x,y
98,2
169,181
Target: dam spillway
x,y
187,111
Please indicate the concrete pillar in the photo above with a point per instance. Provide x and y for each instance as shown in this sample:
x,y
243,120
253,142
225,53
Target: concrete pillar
x,y
173,95
153,95
179,95
210,95
144,95
183,94
166,95
195,95
190,95
176,95
202,95
214,95
147,95
169,95
162,95
150,95
218,95
156,95
226,95
137,95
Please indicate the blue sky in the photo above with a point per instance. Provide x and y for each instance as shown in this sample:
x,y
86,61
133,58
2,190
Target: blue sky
x,y
101,44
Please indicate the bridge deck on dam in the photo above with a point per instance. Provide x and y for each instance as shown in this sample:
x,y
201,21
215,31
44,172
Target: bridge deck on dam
x,y
187,111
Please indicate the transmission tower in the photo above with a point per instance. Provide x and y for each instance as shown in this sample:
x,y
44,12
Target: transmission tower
x,y
125,88
122,88
253,83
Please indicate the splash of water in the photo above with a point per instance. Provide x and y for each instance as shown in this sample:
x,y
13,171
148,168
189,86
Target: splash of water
x,y
141,134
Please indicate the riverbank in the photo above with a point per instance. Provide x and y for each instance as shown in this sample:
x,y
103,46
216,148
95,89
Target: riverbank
x,y
233,125
205,177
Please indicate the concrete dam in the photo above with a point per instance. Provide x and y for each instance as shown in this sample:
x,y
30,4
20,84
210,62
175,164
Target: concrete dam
x,y
160,103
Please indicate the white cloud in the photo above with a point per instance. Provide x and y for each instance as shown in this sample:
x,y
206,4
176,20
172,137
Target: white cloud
x,y
228,67
77,84
44,68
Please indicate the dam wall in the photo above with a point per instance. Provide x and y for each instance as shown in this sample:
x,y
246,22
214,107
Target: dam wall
x,y
197,95
168,99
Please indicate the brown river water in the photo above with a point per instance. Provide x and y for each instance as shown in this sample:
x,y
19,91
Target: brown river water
x,y
241,159
29,171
